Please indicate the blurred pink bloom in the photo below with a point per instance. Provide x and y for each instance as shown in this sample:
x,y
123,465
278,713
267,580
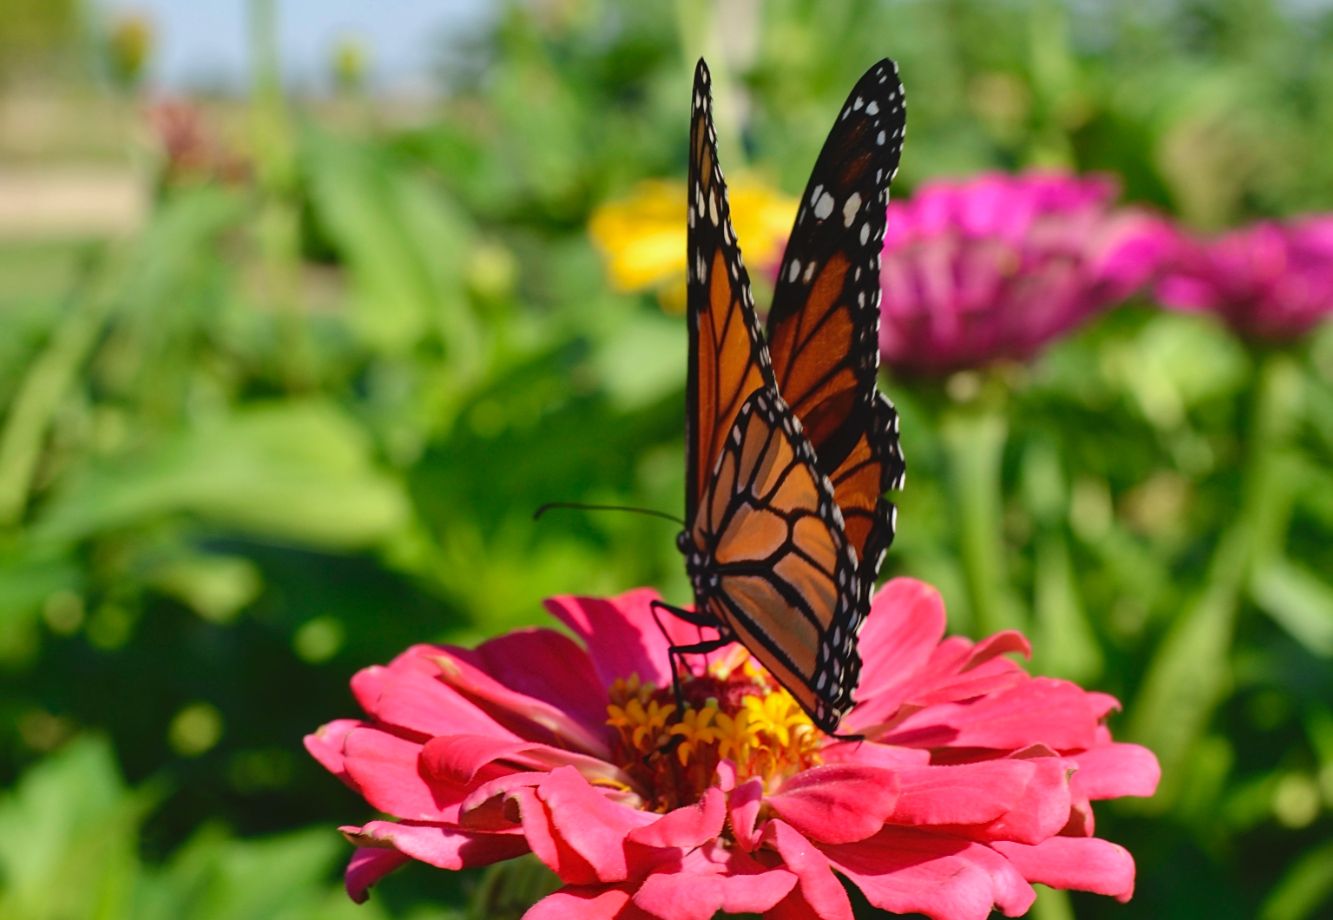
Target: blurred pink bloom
x,y
190,147
1272,281
995,267
975,781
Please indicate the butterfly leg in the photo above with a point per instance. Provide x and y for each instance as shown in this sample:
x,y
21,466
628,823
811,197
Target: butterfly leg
x,y
680,613
703,646
674,654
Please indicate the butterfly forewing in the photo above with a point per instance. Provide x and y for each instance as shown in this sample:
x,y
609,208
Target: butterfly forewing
x,y
823,329
727,357
785,582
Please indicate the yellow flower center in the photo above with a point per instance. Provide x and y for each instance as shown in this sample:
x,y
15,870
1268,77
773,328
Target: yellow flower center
x,y
734,711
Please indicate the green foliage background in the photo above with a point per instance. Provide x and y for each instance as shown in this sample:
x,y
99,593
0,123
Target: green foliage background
x,y
297,424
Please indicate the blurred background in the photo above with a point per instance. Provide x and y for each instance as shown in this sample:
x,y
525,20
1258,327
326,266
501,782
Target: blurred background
x,y
305,306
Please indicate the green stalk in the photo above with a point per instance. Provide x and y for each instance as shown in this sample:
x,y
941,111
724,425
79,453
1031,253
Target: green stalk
x,y
43,388
974,437
1190,671
278,227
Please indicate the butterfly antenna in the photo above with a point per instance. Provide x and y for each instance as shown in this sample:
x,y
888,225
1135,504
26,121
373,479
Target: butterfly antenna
x,y
579,506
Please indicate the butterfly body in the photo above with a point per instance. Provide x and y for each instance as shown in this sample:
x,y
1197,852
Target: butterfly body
x,y
789,451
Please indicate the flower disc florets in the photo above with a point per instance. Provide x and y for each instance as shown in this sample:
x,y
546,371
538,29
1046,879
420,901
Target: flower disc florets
x,y
732,712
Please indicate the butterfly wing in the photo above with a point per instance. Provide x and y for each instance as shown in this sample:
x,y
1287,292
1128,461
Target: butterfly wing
x,y
823,330
782,574
727,359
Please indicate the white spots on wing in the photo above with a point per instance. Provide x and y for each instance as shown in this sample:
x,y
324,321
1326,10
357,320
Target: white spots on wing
x,y
872,107
856,106
712,208
850,207
865,233
809,272
879,138
794,270
824,206
815,193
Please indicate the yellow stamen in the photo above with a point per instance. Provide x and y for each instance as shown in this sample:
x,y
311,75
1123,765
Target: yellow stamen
x,y
744,717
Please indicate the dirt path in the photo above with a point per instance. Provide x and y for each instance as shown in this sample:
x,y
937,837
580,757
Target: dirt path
x,y
70,202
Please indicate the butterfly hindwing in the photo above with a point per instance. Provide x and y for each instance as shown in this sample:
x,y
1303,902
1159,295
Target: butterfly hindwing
x,y
727,359
783,577
823,329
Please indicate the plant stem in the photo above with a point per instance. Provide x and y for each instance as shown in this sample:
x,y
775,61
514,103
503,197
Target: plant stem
x,y
974,437
1191,669
278,227
43,388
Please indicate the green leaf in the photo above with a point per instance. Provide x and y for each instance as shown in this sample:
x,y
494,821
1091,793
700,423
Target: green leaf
x,y
1306,886
214,877
216,587
70,846
404,243
298,471
1189,673
1298,601
27,580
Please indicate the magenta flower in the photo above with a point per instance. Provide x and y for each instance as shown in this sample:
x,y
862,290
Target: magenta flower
x,y
1272,281
975,781
993,268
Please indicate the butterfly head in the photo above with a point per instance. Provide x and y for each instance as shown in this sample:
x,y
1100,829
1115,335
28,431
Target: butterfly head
x,y
698,566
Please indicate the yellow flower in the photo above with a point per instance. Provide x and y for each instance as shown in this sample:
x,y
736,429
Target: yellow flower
x,y
642,236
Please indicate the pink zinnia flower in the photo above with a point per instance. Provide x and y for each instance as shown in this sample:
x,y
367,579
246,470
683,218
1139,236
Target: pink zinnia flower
x,y
993,268
1272,281
975,780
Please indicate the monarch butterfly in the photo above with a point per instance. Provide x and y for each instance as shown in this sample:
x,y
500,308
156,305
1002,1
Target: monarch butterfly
x,y
790,446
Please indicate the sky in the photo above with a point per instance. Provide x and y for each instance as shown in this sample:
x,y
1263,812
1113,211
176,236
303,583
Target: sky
x,y
205,42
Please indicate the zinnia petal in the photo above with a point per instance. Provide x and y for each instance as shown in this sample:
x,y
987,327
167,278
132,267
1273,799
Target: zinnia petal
x,y
713,881
819,892
385,769
438,845
1024,800
905,624
1080,863
367,866
326,746
943,877
614,627
1110,771
582,821
837,803
420,702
